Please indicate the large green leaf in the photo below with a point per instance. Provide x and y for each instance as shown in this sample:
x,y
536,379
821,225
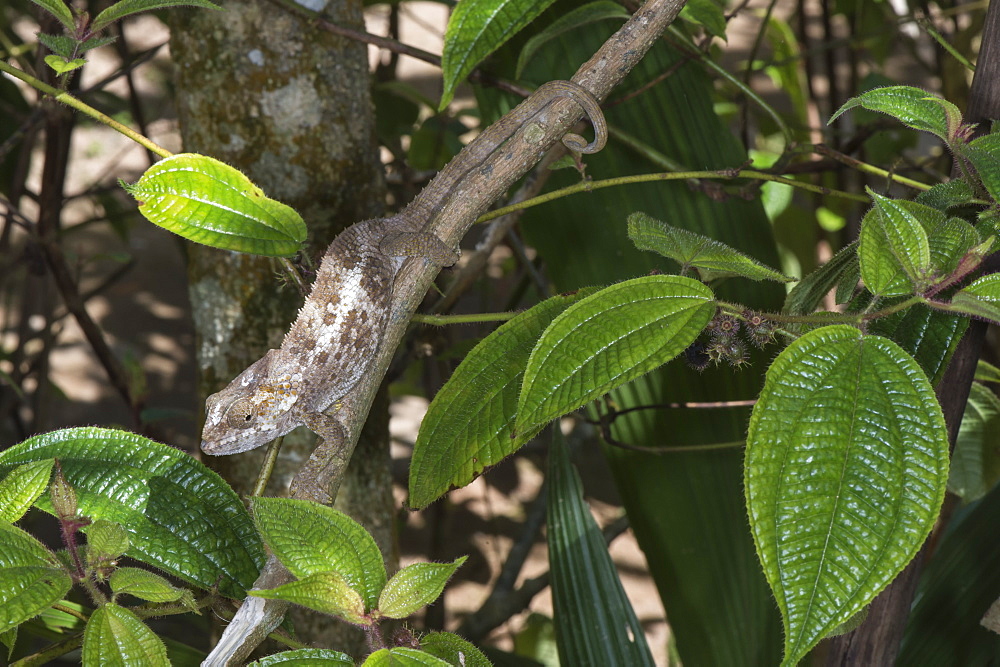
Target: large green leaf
x,y
808,294
181,516
309,538
595,624
476,29
209,202
60,10
115,637
468,425
31,578
608,339
592,12
846,466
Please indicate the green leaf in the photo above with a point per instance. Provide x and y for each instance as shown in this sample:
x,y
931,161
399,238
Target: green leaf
x,y
980,299
209,202
595,624
706,13
306,657
984,154
608,339
592,12
96,42
913,107
181,517
116,637
415,586
987,372
21,487
468,425
403,657
325,592
107,539
453,649
808,294
944,196
845,472
61,45
62,65
893,248
975,464
144,585
31,578
711,258
309,538
928,335
124,8
58,9
476,29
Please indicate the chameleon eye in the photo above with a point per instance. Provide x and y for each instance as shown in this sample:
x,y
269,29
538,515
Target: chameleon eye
x,y
241,413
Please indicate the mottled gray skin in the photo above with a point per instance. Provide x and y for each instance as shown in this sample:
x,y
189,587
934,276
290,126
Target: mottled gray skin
x,y
329,346
340,327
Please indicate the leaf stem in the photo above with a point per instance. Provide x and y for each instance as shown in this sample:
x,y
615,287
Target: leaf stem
x,y
70,101
866,168
587,186
469,318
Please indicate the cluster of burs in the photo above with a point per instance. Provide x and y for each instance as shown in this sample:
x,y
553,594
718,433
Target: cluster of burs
x,y
726,337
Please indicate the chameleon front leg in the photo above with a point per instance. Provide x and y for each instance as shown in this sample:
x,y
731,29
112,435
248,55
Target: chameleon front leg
x,y
319,479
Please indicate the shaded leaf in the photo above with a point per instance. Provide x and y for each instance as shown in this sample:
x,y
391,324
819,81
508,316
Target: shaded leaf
x,y
106,539
846,465
209,202
415,586
181,517
476,29
31,579
711,258
116,637
58,9
124,8
309,538
592,12
468,425
21,488
986,372
911,106
975,463
610,338
984,154
944,196
595,623
706,13
326,592
810,291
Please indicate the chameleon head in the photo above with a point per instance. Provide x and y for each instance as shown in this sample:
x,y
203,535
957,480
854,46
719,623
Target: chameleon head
x,y
253,410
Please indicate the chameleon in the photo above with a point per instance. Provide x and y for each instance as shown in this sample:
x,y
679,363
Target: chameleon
x,y
340,326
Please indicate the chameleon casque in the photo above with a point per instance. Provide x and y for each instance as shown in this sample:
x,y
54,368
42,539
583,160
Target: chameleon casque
x,y
339,328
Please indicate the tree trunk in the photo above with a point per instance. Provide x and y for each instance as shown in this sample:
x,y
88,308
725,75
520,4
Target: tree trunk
x,y
289,105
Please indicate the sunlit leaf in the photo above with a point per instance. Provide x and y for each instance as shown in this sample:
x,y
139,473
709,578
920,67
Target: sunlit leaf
x,y
209,202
